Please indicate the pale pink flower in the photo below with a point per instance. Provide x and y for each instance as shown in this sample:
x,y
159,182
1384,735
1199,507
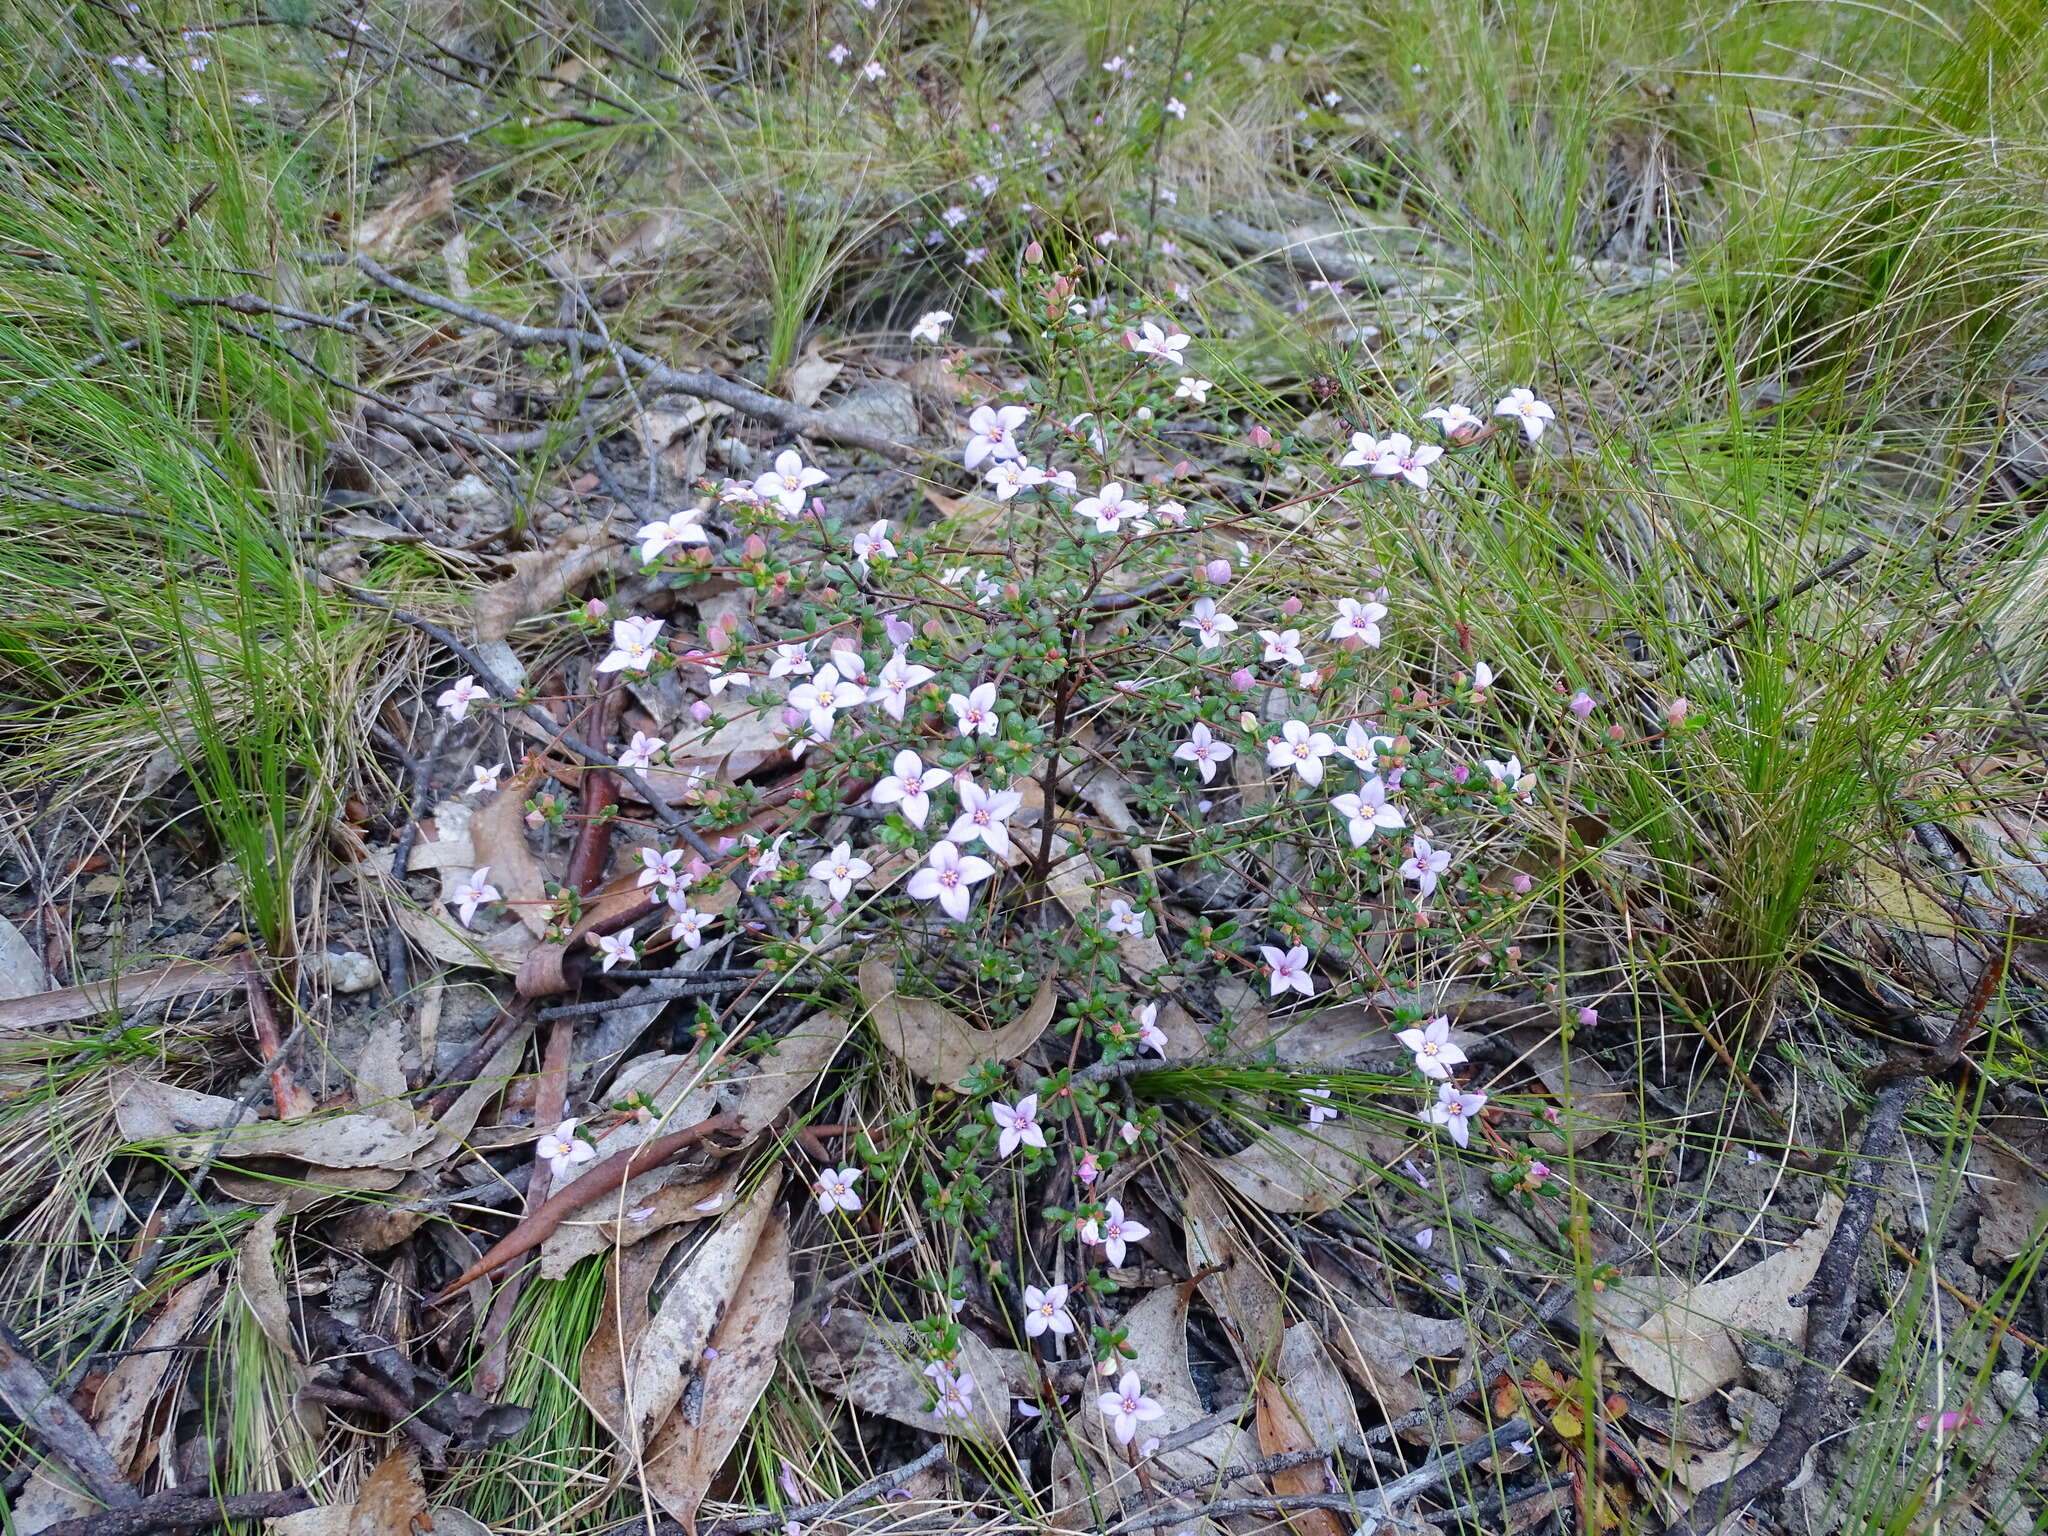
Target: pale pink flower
x,y
975,710
1009,476
1317,1102
1358,620
1454,1109
992,433
1283,645
931,326
953,1393
632,645
617,948
1150,1036
457,698
1431,1046
1193,389
789,483
1456,422
1114,1233
1364,451
1204,751
1362,748
1122,920
791,660
893,683
1367,811
688,928
839,869
1301,749
563,1150
1046,1311
1207,625
948,877
659,868
668,532
873,544
1532,413
1152,340
910,785
1289,969
1128,1407
985,814
483,778
1425,866
1509,776
834,1189
822,695
1400,456
1017,1125
476,891
1109,507
640,751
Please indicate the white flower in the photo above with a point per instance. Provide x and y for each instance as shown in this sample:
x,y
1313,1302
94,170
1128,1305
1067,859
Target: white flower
x,y
984,183
791,660
975,710
658,868
1128,1407
563,1150
992,433
1151,340
822,695
789,482
873,69
457,699
1362,747
931,326
1425,866
1150,1036
1358,620
1365,448
1046,1311
839,869
1193,389
893,683
1453,1109
985,814
1432,1048
1523,405
948,877
873,544
1010,476
910,786
1316,1102
1301,749
639,752
1482,677
1283,645
1367,811
1509,776
1209,626
1177,107
1454,421
955,216
688,928
665,533
767,860
1204,750
1401,456
1290,970
1114,1233
1059,480
1109,507
474,892
953,1392
616,948
632,645
1123,920
834,1189
839,53
483,779
1018,1125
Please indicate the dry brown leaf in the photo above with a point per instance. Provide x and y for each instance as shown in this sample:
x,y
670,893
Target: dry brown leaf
x,y
391,1502
184,1124
744,744
935,1042
1240,1292
1592,1105
629,1280
1157,1329
384,229
498,834
261,1291
801,1056
1379,1347
1686,1347
1081,887
380,1085
671,1350
129,992
1290,1169
542,578
693,1445
22,973
878,1366
131,1396
809,377
1302,1388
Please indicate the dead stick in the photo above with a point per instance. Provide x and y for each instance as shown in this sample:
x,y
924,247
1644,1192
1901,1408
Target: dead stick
x,y
292,1100
49,1416
607,1176
180,1511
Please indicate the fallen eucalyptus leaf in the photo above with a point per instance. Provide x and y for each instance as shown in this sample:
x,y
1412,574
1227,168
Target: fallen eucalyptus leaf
x,y
935,1042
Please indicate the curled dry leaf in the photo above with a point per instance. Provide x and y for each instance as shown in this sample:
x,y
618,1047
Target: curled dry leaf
x,y
132,1395
498,834
183,1124
542,578
1686,1347
1592,1105
800,1058
693,1445
1239,1292
1303,1405
935,1042
1379,1348
1291,1169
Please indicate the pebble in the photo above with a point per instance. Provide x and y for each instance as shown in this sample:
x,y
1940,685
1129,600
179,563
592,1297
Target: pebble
x,y
2016,1393
345,970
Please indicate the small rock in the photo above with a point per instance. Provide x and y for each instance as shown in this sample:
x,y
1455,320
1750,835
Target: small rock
x,y
344,970
1753,1414
886,407
472,491
2016,1393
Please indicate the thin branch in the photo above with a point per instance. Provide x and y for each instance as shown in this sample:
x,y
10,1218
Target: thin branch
x,y
177,1510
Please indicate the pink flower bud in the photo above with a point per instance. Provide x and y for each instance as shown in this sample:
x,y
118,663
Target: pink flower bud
x,y
1615,733
756,547
1581,704
1217,571
1242,681
1259,437
1460,774
595,608
1181,470
1034,253
1589,1016
1291,607
1520,883
1676,711
1086,1171
792,717
1129,1132
1538,1172
899,632
700,710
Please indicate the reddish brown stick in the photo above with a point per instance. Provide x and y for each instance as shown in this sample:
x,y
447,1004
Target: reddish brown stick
x,y
292,1100
609,1175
